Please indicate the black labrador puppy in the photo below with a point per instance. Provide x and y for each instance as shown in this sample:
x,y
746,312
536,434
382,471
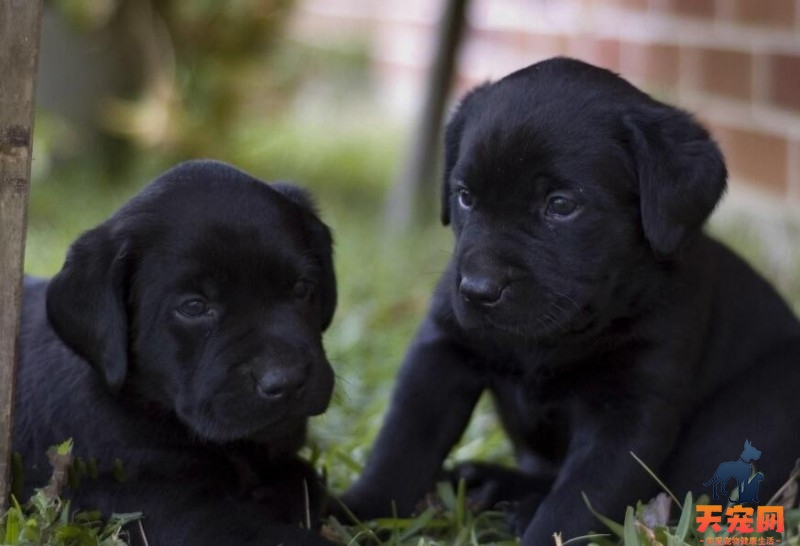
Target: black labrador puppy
x,y
183,337
583,295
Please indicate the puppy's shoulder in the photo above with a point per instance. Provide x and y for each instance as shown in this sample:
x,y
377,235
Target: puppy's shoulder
x,y
740,294
730,274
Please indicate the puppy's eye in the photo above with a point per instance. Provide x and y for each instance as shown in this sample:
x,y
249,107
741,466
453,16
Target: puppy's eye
x,y
193,308
465,198
303,289
560,206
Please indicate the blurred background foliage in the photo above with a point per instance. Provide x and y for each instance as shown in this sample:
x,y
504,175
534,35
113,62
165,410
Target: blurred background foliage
x,y
129,87
174,76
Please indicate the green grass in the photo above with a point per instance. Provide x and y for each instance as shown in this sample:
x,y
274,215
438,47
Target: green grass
x,y
48,520
384,285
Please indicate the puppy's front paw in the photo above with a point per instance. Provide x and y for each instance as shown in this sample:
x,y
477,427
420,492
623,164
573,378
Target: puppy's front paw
x,y
489,484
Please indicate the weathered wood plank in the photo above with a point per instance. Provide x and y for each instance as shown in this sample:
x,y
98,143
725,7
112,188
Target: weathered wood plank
x,y
20,24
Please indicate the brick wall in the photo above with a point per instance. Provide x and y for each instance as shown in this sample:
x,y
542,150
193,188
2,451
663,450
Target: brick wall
x,y
735,63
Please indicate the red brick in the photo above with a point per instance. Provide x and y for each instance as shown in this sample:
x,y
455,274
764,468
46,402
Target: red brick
x,y
692,8
598,51
629,4
783,80
722,72
536,45
755,156
497,35
777,13
634,4
714,128
656,64
794,171
462,84
546,45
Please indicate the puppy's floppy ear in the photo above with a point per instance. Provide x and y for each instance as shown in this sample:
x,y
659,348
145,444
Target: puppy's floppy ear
x,y
86,303
453,134
681,174
322,243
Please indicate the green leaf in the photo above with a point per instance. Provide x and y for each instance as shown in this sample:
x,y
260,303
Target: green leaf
x,y
682,531
418,524
461,512
65,447
121,519
446,495
629,530
12,525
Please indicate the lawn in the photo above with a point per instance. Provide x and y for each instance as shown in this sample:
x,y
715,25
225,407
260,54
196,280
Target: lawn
x,y
384,283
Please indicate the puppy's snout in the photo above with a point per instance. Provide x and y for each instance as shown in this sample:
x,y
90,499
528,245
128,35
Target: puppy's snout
x,y
480,290
282,383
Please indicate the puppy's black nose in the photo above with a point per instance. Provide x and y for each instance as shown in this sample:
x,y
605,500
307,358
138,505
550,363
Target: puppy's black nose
x,y
282,383
480,291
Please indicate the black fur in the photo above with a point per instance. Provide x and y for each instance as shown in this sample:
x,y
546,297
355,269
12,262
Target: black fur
x,y
183,337
613,327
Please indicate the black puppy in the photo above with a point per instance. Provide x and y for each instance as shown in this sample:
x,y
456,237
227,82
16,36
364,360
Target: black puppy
x,y
584,296
183,337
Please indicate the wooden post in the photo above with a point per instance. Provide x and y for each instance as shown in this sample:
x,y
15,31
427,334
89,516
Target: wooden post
x,y
20,25
413,196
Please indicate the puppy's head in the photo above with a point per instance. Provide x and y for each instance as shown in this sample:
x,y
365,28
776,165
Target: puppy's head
x,y
565,186
207,295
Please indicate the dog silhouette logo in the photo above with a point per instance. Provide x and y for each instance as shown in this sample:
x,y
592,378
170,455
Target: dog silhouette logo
x,y
750,493
741,470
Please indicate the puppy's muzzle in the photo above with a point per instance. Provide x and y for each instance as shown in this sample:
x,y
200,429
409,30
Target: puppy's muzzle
x,y
282,383
480,291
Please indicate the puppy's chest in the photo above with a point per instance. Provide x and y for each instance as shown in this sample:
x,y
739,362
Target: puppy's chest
x,y
533,394
534,419
529,397
531,378
246,477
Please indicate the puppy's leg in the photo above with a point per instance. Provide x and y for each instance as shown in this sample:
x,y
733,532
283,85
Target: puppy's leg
x,y
432,402
599,464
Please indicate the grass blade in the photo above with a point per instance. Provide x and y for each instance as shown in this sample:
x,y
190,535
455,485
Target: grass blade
x,y
461,511
682,531
447,496
418,524
657,479
615,527
629,530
